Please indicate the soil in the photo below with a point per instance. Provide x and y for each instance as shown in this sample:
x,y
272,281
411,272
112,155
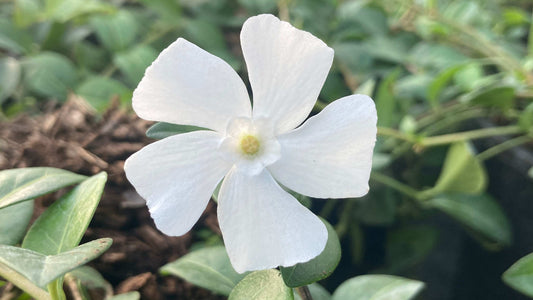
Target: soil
x,y
73,137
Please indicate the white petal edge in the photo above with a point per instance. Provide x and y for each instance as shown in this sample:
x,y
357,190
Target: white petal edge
x,y
187,85
330,155
263,226
287,68
177,176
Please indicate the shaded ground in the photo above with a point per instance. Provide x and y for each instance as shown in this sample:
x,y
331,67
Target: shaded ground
x,y
72,137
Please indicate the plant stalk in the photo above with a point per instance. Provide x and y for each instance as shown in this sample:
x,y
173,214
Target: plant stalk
x,y
23,283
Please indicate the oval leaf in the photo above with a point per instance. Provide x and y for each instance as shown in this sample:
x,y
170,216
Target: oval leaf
x,y
49,74
462,172
63,224
266,284
9,77
98,91
116,31
317,268
13,222
18,185
209,268
378,287
520,275
480,213
161,130
42,269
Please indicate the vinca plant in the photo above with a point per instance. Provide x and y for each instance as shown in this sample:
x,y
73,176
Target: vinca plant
x,y
294,149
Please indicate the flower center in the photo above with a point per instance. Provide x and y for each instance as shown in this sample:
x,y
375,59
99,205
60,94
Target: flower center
x,y
249,144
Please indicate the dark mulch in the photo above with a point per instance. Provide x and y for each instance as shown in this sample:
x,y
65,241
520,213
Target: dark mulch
x,y
73,137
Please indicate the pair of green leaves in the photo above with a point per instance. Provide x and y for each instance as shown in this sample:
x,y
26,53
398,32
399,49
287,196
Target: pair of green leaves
x,y
210,268
49,248
459,192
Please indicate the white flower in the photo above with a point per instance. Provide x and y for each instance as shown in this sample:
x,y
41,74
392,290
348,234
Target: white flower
x,y
253,150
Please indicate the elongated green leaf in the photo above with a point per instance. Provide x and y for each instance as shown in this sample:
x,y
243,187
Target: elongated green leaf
x,y
161,130
378,287
63,224
386,101
520,275
13,222
42,269
500,96
209,268
317,268
266,284
49,74
90,279
440,81
480,213
127,296
18,185
9,77
462,172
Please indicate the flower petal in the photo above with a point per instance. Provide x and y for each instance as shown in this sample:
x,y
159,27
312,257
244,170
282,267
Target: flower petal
x,y
177,176
287,68
187,85
330,155
263,226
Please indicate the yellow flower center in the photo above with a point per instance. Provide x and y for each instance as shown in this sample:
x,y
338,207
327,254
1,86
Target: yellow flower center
x,y
249,144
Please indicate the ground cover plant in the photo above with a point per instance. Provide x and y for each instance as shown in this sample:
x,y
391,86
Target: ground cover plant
x,y
448,212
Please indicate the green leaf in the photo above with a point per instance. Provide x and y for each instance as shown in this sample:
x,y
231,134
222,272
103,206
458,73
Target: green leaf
x,y
467,77
13,222
266,284
90,279
209,268
161,130
378,287
42,269
462,172
408,246
480,213
65,10
317,291
49,74
27,12
317,268
98,92
385,100
63,224
441,80
23,184
9,77
520,275
133,63
127,296
14,39
501,97
117,31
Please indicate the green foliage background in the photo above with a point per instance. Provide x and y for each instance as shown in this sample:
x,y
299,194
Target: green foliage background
x,y
434,68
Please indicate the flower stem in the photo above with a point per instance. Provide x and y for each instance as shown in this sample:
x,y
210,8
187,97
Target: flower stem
x,y
468,135
23,283
304,293
395,184
493,151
